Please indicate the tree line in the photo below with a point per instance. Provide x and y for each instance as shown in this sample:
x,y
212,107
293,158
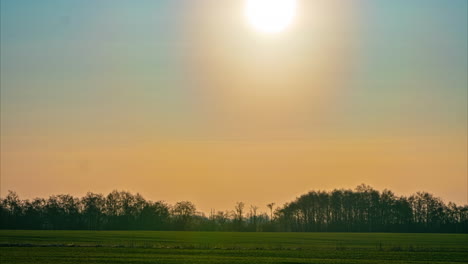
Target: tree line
x,y
363,209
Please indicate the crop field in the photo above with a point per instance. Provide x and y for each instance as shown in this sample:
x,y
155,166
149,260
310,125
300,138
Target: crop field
x,y
228,247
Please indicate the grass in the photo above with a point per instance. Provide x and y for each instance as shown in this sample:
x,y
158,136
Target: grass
x,y
218,247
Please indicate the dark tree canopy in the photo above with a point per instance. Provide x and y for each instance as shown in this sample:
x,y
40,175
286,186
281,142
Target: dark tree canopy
x,y
361,210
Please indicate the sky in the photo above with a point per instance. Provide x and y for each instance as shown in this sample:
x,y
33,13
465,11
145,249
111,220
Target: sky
x,y
184,100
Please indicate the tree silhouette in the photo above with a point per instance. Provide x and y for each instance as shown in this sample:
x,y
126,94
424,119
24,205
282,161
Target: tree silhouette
x,y
361,210
270,206
239,216
183,213
253,217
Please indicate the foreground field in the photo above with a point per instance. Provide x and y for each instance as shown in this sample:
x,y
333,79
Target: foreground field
x,y
214,247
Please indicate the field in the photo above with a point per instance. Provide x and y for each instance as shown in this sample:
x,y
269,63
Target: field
x,y
217,247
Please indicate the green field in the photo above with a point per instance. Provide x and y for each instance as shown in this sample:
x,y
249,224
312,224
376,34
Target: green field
x,y
217,247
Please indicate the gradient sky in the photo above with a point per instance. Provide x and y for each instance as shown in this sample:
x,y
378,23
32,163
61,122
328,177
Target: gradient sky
x,y
183,100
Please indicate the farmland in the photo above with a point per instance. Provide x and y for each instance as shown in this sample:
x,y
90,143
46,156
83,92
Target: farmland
x,y
229,247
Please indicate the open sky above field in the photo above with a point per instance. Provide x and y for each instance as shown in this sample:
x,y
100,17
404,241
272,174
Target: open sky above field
x,y
191,100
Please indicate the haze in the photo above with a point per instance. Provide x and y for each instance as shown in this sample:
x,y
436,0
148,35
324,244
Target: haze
x,y
183,100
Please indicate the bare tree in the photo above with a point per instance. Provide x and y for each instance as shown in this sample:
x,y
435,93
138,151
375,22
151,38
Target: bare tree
x,y
253,216
238,216
183,213
239,211
270,206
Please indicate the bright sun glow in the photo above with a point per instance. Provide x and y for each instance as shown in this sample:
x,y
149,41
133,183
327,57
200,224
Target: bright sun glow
x,y
271,16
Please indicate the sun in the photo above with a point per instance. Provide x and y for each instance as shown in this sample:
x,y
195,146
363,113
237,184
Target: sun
x,y
271,16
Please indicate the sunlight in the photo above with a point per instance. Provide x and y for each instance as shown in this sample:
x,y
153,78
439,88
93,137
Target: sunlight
x,y
271,16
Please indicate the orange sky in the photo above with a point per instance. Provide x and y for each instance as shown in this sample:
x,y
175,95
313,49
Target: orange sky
x,y
216,174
